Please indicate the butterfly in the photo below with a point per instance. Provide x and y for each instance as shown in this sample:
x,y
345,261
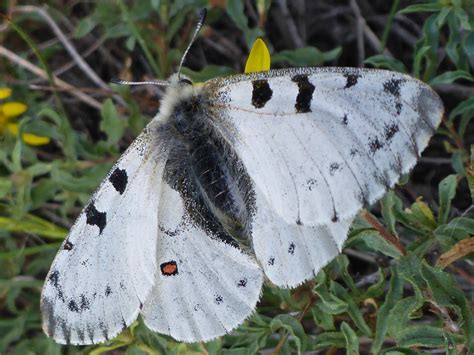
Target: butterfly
x,y
237,180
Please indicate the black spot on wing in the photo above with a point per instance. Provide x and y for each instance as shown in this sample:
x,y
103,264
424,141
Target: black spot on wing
x,y
311,183
398,107
353,152
242,282
351,80
261,93
218,299
375,144
119,180
392,86
108,291
305,93
84,302
333,167
73,307
345,120
54,279
68,245
391,130
291,248
271,261
95,218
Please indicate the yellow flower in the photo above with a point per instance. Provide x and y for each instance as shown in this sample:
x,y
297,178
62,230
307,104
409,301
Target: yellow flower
x,y
259,57
9,110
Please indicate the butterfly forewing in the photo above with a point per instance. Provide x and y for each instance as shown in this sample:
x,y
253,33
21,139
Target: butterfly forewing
x,y
321,142
105,268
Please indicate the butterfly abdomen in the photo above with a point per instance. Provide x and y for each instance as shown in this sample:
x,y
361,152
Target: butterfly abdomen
x,y
207,173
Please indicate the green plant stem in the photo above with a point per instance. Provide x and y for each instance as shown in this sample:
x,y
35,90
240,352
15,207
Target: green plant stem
x,y
388,27
136,33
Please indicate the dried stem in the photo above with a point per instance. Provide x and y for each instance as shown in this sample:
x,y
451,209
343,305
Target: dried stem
x,y
42,74
383,232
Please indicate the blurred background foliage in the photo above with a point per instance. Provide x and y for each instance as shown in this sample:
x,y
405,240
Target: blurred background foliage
x,y
405,283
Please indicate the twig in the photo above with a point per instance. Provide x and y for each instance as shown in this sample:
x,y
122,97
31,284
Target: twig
x,y
455,136
374,41
462,91
383,232
289,25
41,73
457,251
81,63
306,308
360,23
85,54
462,273
362,256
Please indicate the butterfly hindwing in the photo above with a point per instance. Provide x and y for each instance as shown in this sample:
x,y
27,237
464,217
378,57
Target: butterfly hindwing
x,y
295,252
204,287
105,268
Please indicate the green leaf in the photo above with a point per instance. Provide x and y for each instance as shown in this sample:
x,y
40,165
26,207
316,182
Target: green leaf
x,y
387,204
465,106
292,325
383,61
352,308
111,124
468,45
323,319
447,293
374,241
424,335
85,26
329,303
451,76
463,18
447,190
421,53
397,350
235,9
328,339
394,294
401,313
30,250
409,268
470,174
5,186
430,7
33,225
341,265
306,56
352,341
378,288
209,72
423,214
456,230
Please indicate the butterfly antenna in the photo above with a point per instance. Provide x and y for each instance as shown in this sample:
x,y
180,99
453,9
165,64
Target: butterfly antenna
x,y
148,82
202,19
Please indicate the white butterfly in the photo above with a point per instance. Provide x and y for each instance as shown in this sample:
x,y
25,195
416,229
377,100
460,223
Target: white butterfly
x,y
236,179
